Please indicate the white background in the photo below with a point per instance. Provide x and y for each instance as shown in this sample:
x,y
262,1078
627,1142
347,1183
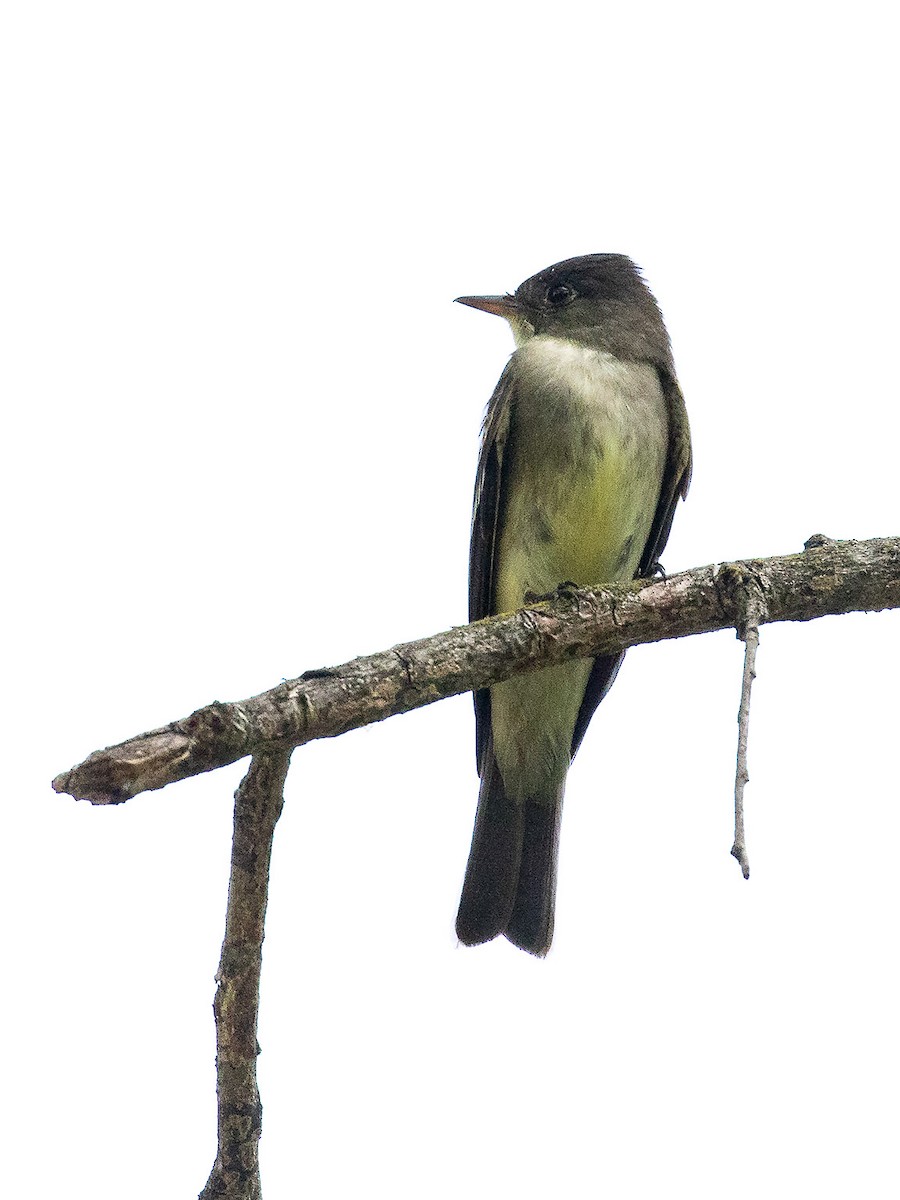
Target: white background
x,y
242,417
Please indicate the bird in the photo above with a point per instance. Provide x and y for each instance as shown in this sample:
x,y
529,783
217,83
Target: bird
x,y
585,450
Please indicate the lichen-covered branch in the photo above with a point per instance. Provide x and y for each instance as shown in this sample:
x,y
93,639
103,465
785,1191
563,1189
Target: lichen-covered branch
x,y
827,578
257,807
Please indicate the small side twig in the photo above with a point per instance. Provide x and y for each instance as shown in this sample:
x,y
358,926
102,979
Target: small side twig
x,y
257,807
739,849
752,609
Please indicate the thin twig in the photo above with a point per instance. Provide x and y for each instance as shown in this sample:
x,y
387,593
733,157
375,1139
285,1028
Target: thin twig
x,y
752,607
739,849
257,807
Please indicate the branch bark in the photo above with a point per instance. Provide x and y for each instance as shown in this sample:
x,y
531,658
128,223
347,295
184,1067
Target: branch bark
x,y
826,578
829,577
257,806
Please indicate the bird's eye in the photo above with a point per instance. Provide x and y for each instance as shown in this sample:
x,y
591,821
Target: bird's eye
x,y
559,295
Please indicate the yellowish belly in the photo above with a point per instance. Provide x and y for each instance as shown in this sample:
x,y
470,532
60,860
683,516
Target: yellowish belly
x,y
588,525
585,459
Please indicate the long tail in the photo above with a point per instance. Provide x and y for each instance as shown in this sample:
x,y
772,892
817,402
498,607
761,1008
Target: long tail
x,y
530,925
510,882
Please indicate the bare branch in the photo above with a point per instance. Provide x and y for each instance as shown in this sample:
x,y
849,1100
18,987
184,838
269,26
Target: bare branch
x,y
752,612
829,578
257,807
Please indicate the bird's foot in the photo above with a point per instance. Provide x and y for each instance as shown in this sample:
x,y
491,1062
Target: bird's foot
x,y
563,591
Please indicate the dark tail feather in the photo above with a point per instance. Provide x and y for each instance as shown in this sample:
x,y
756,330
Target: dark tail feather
x,y
531,923
492,873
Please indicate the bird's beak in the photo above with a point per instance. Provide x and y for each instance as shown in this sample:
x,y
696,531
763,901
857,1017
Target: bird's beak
x,y
500,306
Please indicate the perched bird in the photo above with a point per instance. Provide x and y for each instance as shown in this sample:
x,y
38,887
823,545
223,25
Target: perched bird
x,y
585,450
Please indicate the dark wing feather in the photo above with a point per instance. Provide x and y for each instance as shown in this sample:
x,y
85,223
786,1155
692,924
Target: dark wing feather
x,y
602,677
675,483
676,478
486,525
